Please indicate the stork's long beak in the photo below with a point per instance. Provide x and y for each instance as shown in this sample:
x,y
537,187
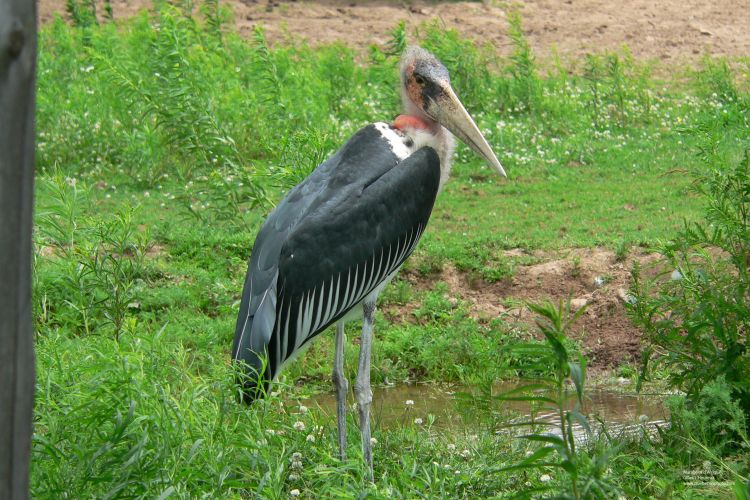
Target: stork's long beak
x,y
447,110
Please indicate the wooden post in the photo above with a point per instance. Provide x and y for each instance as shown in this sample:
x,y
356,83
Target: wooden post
x,y
17,106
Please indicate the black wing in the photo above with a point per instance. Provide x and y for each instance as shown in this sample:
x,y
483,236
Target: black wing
x,y
333,240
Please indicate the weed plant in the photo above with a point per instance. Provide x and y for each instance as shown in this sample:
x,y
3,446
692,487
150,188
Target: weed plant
x,y
699,318
695,310
96,266
583,470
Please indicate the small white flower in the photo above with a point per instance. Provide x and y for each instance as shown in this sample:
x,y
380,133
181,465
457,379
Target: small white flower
x,y
418,421
296,456
373,441
294,492
296,465
299,425
545,478
409,402
294,476
271,432
465,453
310,438
451,447
302,409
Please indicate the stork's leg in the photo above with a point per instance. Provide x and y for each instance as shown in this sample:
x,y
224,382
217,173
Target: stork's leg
x,y
362,385
342,387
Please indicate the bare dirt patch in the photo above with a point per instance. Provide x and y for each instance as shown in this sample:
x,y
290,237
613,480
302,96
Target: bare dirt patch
x,y
591,277
668,30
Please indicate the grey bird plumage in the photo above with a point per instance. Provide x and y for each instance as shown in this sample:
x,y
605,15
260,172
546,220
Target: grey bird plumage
x,y
329,243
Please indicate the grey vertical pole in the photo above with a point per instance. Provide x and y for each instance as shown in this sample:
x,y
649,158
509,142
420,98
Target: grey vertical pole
x,y
17,106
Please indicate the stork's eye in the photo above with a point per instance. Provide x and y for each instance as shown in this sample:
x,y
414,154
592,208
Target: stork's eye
x,y
420,80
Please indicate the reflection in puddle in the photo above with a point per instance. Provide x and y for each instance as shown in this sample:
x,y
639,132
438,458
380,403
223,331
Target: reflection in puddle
x,y
450,410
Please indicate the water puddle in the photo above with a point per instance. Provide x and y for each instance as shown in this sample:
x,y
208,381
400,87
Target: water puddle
x,y
449,408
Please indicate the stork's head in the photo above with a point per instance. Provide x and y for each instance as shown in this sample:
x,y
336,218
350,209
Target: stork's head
x,y
427,94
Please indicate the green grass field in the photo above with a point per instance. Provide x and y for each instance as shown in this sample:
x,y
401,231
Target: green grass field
x,y
163,141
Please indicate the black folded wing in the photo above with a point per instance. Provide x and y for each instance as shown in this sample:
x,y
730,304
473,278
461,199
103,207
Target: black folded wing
x,y
335,238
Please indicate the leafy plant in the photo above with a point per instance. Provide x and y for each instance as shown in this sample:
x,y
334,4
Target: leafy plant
x,y
523,68
82,12
710,424
469,64
215,17
622,250
593,75
575,269
177,104
695,311
98,261
303,150
715,79
585,474
268,76
398,40
619,92
699,320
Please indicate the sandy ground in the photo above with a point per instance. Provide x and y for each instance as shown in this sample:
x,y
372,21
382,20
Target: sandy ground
x,y
672,31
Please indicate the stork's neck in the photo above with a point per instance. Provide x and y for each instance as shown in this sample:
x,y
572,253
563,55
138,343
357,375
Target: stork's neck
x,y
425,132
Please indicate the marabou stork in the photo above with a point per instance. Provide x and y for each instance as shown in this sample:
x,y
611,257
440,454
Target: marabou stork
x,y
337,238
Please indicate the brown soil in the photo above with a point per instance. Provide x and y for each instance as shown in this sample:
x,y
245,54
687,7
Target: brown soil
x,y
668,30
605,331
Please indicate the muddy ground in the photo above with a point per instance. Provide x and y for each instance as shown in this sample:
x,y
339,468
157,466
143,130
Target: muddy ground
x,y
591,277
671,31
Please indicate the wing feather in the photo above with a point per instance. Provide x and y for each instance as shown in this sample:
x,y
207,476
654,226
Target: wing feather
x,y
333,240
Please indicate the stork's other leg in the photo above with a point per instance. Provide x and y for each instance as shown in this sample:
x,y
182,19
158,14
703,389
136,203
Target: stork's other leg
x,y
362,385
342,387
